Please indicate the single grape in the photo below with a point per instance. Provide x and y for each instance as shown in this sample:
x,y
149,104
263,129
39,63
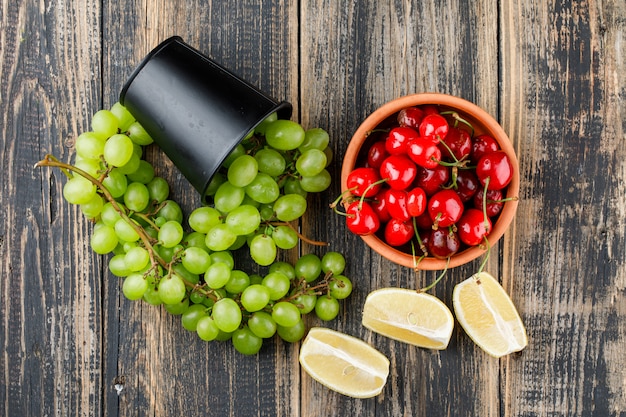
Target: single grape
x,y
132,165
170,234
115,182
227,315
137,259
118,150
125,231
277,283
284,268
263,249
290,207
136,197
243,220
242,170
237,282
170,210
192,315
89,145
186,275
178,308
217,275
233,155
311,162
228,197
109,215
151,296
93,207
134,286
117,266
225,257
172,289
315,138
103,239
263,189
220,237
204,218
196,260
292,334
90,166
104,123
262,127
262,324
316,183
255,297
207,329
292,186
138,134
123,116
215,182
159,189
143,174
246,342
78,190
340,287
309,267
196,240
333,262
270,162
326,307
284,135
305,303
285,237
285,314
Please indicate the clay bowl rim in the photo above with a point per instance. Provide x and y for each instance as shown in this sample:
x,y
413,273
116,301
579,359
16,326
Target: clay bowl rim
x,y
464,107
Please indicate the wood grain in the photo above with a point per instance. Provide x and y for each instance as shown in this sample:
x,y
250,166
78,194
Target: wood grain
x,y
553,74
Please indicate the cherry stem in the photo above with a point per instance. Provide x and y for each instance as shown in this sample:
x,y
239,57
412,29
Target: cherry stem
x,y
457,118
484,262
485,217
443,273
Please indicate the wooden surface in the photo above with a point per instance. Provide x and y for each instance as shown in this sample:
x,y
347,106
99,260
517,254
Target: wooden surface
x,y
552,72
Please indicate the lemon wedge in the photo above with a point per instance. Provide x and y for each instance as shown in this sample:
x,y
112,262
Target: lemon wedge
x,y
409,316
344,363
488,316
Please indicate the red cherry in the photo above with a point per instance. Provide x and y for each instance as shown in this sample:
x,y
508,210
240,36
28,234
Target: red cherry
x,y
399,137
376,154
467,184
424,152
423,221
430,109
482,145
363,180
445,208
431,180
494,201
397,204
459,141
399,171
411,117
434,125
443,243
416,202
473,227
397,232
497,167
361,219
379,205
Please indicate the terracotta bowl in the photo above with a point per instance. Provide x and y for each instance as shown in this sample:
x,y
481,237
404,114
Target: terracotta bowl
x,y
483,123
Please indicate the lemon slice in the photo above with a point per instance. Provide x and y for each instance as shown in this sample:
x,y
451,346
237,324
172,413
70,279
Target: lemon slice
x,y
344,363
409,316
488,316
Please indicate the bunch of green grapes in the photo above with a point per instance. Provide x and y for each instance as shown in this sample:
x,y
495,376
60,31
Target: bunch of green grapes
x,y
189,266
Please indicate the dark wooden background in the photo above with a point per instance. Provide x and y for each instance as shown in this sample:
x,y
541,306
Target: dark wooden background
x,y
552,72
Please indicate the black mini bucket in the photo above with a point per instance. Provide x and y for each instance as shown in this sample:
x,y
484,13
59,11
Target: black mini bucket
x,y
194,109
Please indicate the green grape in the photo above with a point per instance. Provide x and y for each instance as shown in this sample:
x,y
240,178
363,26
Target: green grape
x,y
196,297
292,334
89,145
151,296
78,190
270,162
309,267
234,154
220,237
207,329
238,281
316,183
137,259
326,307
93,207
203,219
225,257
178,308
172,289
255,279
277,283
117,266
109,215
284,268
143,174
285,237
196,260
196,240
263,249
136,197
255,297
305,302
115,182
217,275
333,262
311,162
124,118
263,189
243,220
292,186
329,155
185,274
246,342
340,287
170,210
249,201
284,135
228,197
191,316
170,234
290,207
132,165
227,315
90,166
261,127
242,171
138,134
103,239
159,189
134,286
262,324
316,138
215,182
285,314
104,124
266,211
118,150
239,243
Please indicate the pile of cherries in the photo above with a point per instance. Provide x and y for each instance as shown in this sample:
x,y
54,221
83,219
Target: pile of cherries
x,y
424,177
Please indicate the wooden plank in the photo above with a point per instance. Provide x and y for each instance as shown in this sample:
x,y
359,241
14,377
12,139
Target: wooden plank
x,y
50,294
563,102
358,60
